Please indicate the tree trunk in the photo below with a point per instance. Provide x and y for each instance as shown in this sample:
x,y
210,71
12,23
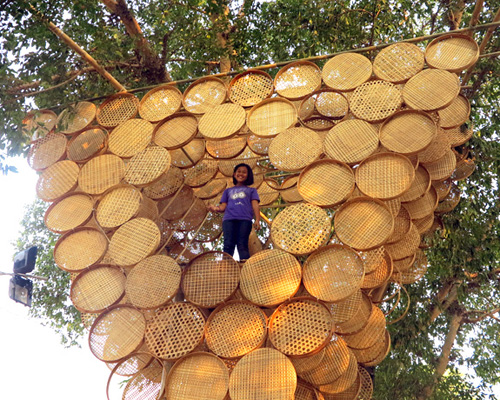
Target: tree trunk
x,y
444,358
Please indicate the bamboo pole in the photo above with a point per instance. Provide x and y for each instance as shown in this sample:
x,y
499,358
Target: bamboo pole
x,y
475,15
74,46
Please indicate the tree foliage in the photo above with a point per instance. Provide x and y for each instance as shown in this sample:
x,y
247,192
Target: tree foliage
x,y
457,300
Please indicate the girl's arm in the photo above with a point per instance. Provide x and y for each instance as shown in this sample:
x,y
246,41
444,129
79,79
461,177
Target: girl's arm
x,y
220,208
256,212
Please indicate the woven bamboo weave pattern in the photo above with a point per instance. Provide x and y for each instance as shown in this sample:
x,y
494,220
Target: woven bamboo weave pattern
x,y
101,173
371,353
57,180
193,218
166,185
297,80
79,249
385,175
134,241
71,211
290,191
382,354
210,189
300,229
346,71
300,327
250,88
117,109
146,383
345,380
419,186
333,273
424,205
351,393
463,170
202,173
76,118
408,132
346,309
442,188
130,137
37,124
366,390
175,331
160,103
210,279
373,331
271,116
351,141
452,52
380,276
375,100
405,247
431,89
256,377
147,166
87,144
358,320
460,135
443,168
305,391
198,376
183,200
175,131
235,328
98,288
363,223
294,149
222,121
402,225
133,363
455,114
270,277
46,151
331,104
203,95
228,148
116,333
153,282
308,363
372,258
398,62
118,205
259,145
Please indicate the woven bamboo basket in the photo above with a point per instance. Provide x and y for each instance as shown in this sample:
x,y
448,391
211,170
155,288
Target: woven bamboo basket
x,y
101,173
346,71
250,87
71,211
145,383
168,184
296,80
39,123
147,166
375,101
175,131
57,180
398,62
345,380
160,102
46,151
117,109
130,137
351,315
204,94
87,144
76,118
271,116
452,52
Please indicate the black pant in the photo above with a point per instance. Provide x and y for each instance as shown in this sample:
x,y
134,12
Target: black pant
x,y
236,234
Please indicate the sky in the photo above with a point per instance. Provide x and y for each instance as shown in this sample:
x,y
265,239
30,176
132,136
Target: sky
x,y
33,363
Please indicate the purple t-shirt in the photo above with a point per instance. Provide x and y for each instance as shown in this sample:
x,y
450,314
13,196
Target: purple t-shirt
x,y
239,202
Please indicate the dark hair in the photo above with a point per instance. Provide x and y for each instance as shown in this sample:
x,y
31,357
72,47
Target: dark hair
x,y
249,180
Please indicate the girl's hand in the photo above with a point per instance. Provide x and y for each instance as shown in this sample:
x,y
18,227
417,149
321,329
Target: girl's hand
x,y
212,208
256,225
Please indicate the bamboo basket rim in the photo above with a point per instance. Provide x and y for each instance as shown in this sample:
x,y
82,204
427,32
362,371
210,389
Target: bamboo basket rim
x,y
296,64
175,115
250,71
65,196
31,114
109,99
98,153
167,86
267,101
197,82
447,36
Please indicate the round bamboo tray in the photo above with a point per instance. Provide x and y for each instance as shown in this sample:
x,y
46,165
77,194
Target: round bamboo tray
x,y
258,144
130,137
373,258
201,173
175,330
436,149
193,218
398,62
38,123
329,104
357,320
271,116
197,376
235,328
222,121
76,118
335,363
459,136
375,101
450,201
423,206
305,391
210,279
431,89
344,381
301,228
131,364
69,212
421,184
90,143
204,94
294,149
405,263
300,327
101,173
443,168
333,273
117,109
175,131
166,185
452,52
57,180
297,80
153,282
47,151
382,354
308,363
250,87
146,383
463,170
147,166
455,114
406,246
381,275
228,148
267,194
134,241
373,331
79,249
256,376
370,354
116,333
289,190
351,393
351,141
160,102
363,223
98,288
211,228
120,204
402,225
442,188
424,224
416,271
408,132
346,71
176,209
270,277
211,189
385,176
226,167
